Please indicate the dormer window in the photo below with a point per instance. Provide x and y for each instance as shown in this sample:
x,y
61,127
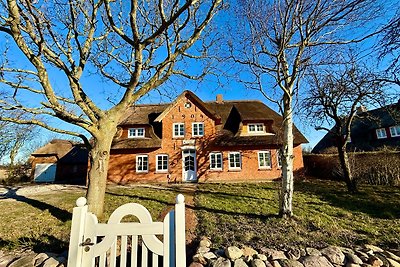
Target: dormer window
x,y
395,131
381,133
136,133
256,128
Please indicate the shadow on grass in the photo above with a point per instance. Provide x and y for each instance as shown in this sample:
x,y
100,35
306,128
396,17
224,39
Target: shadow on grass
x,y
376,201
60,214
44,243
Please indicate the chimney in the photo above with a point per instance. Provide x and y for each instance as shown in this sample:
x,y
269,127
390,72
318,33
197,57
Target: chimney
x,y
219,99
361,109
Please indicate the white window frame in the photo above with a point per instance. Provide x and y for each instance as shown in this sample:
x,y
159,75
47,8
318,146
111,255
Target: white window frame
x,y
214,155
381,133
258,128
395,131
279,158
160,157
180,126
264,152
240,161
134,132
198,134
137,163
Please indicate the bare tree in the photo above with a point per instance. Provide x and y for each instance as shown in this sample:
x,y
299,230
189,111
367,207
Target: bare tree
x,y
338,95
279,40
130,47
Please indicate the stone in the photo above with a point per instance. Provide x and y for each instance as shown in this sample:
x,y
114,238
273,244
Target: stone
x,y
195,264
240,263
350,264
353,258
362,255
222,262
275,264
200,259
347,250
233,253
294,254
391,255
209,256
257,263
205,242
248,259
333,254
375,261
6,260
274,254
393,263
373,248
202,250
314,260
268,264
248,251
261,257
51,262
24,261
313,252
40,258
290,263
382,258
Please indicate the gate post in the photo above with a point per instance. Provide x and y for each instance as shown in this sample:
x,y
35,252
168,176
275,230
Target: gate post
x,y
77,231
180,239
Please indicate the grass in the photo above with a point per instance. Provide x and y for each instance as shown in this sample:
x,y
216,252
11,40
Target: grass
x,y
227,213
324,214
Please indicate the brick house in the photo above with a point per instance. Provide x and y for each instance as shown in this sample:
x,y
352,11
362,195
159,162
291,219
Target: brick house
x,y
190,140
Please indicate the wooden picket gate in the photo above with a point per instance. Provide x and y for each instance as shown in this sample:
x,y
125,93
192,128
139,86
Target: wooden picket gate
x,y
117,243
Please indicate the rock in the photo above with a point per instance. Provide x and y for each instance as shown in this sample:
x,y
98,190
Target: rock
x,y
347,250
268,264
352,258
40,258
202,250
393,263
240,263
261,257
195,264
233,253
6,260
313,252
205,242
294,254
248,251
200,259
391,255
313,260
209,256
257,263
349,264
275,264
248,259
51,262
375,261
373,248
290,263
24,261
222,262
273,254
362,255
382,258
333,254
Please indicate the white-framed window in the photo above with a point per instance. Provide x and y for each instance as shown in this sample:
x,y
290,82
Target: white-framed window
x,y
264,160
395,131
216,161
256,128
142,163
279,158
162,163
197,129
235,160
136,132
381,133
178,129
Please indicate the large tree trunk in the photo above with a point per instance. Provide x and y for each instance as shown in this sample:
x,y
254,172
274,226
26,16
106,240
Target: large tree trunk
x,y
286,196
99,157
347,175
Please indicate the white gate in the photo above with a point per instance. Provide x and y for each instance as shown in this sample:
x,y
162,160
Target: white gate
x,y
116,243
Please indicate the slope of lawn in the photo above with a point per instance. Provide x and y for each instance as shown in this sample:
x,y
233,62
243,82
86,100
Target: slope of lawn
x,y
324,214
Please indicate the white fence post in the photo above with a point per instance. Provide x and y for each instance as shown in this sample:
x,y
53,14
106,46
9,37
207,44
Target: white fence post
x,y
77,231
180,239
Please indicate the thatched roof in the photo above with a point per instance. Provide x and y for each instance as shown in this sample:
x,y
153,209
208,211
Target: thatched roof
x,y
64,150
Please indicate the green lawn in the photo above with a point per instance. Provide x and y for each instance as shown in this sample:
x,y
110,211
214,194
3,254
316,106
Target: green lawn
x,y
227,213
324,214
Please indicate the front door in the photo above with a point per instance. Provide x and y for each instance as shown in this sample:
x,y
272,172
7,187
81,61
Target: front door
x,y
189,165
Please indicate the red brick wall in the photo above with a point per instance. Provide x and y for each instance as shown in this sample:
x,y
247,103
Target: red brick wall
x,y
122,166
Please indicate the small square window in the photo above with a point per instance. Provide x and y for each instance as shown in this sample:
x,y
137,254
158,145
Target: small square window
x,y
264,160
256,128
142,163
162,163
136,133
178,130
395,131
197,129
381,133
216,161
235,161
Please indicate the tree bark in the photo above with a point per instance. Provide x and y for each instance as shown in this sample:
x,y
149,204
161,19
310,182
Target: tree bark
x,y
99,157
347,175
286,196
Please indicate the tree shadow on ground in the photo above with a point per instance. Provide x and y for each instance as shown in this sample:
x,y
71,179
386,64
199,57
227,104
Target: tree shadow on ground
x,y
381,202
43,243
60,214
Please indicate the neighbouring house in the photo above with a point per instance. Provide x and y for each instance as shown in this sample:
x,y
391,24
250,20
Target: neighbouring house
x,y
189,140
60,161
371,130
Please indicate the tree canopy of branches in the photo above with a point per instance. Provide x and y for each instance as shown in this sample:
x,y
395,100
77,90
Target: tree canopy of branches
x,y
336,95
130,46
279,40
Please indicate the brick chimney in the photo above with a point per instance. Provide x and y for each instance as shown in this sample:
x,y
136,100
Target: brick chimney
x,y
219,99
